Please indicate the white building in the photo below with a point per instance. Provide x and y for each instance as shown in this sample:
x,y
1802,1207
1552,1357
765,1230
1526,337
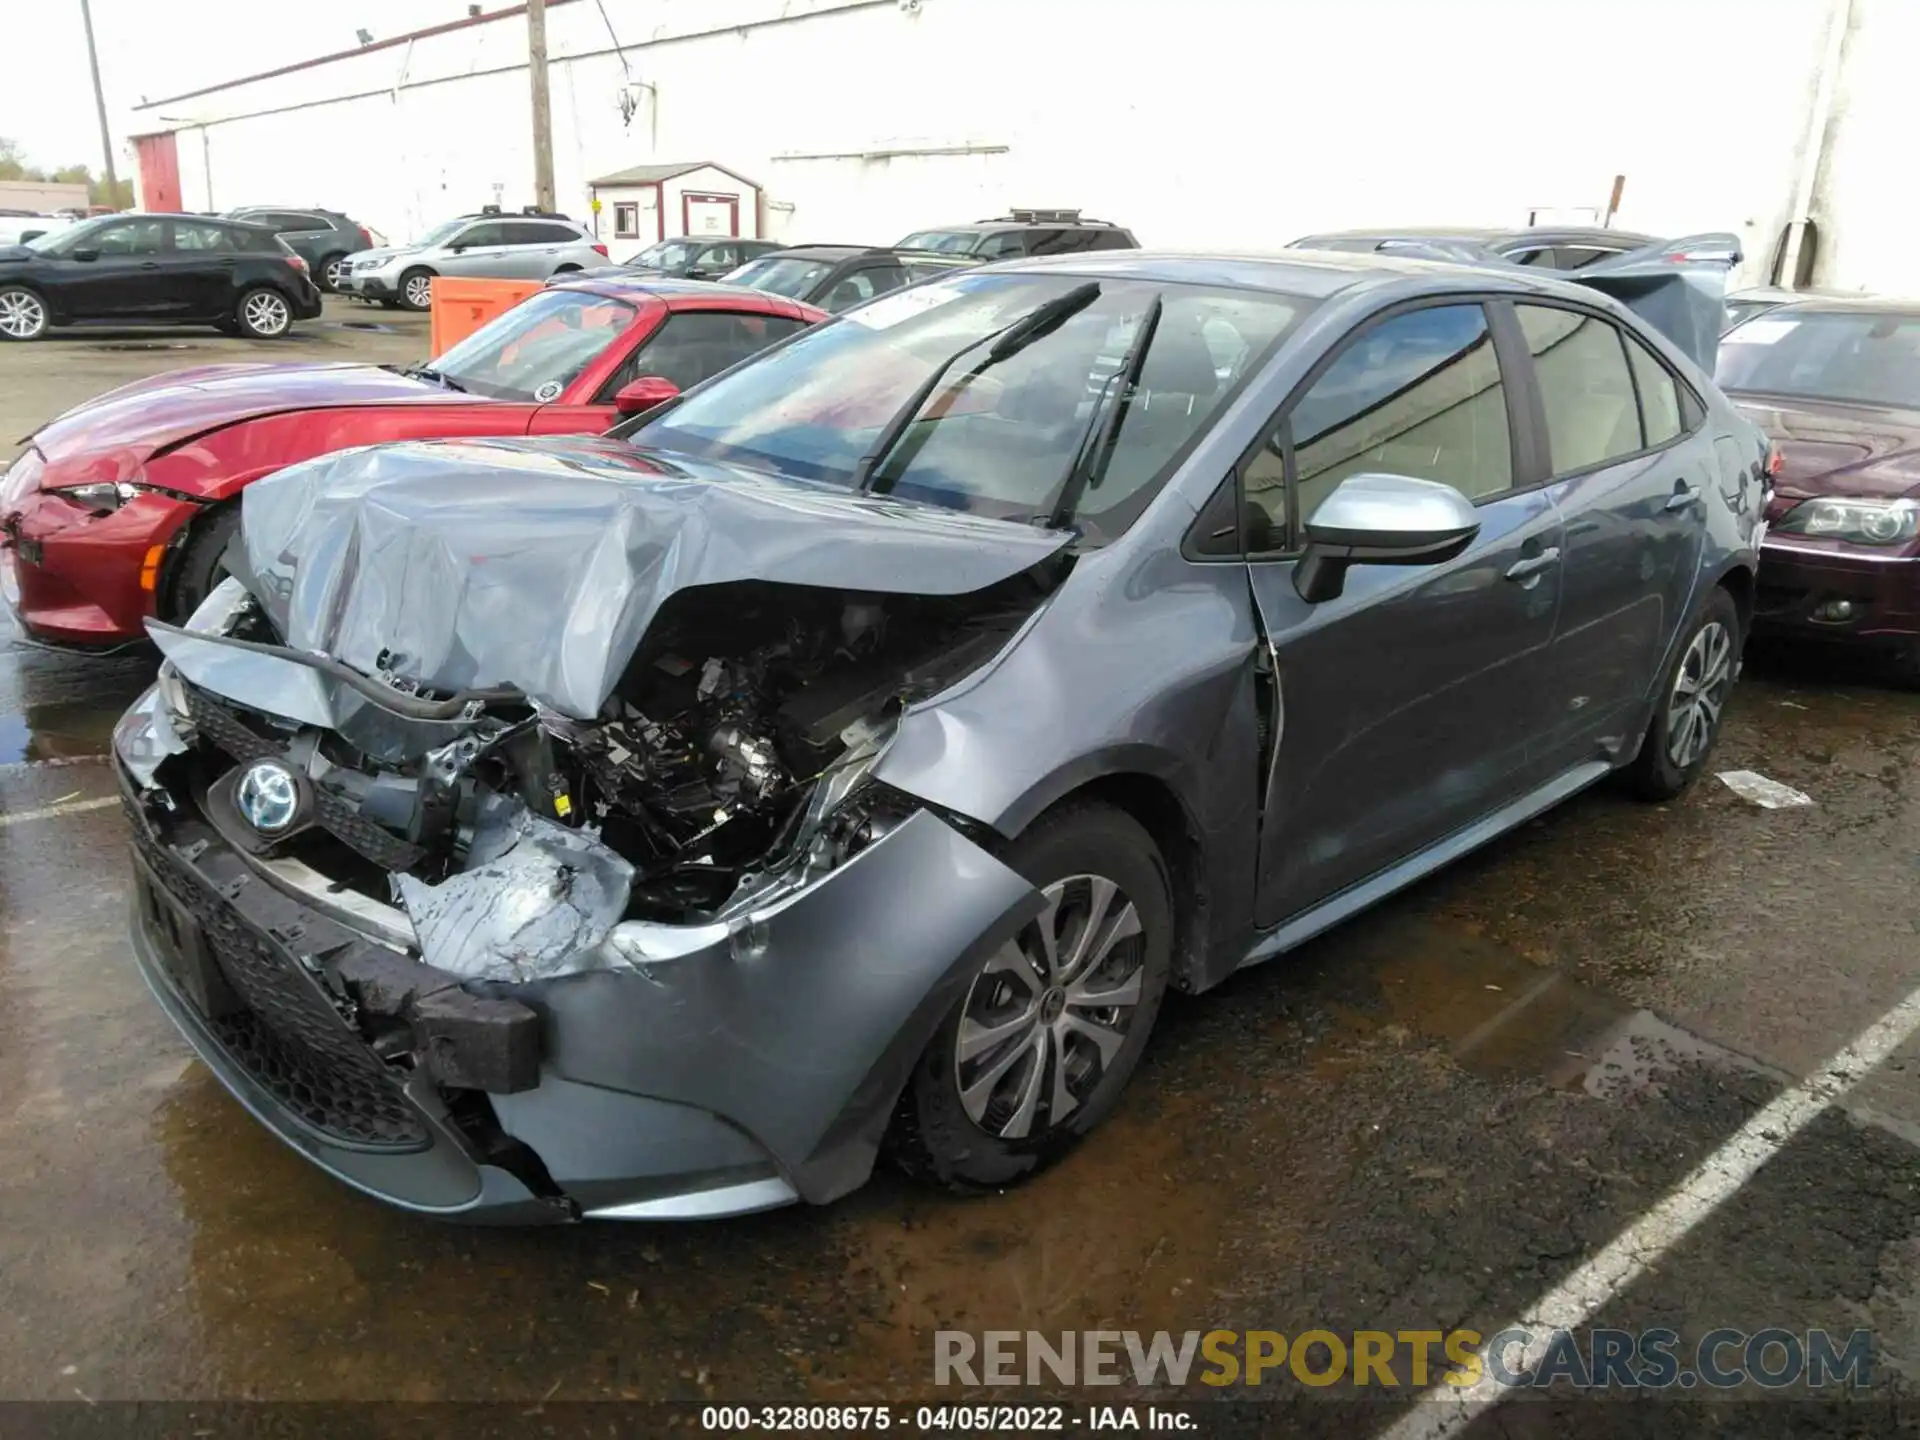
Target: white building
x,y
1218,124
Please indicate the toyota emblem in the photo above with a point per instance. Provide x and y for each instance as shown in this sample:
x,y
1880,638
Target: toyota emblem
x,y
268,797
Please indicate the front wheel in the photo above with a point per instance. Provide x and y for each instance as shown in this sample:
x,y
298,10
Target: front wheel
x,y
23,314
263,313
1053,1023
1693,699
416,289
332,270
202,563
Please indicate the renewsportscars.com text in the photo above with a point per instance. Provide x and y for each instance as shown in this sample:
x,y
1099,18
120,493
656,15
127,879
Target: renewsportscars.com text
x,y
1654,1359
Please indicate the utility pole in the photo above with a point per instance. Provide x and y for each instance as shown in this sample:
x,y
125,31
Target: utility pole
x,y
542,109
100,103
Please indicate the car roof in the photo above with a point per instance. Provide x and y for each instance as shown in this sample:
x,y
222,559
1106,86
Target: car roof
x,y
1486,234
1308,274
665,287
1846,305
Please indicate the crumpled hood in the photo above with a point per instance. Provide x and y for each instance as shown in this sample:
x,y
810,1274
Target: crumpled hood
x,y
539,564
151,414
1865,451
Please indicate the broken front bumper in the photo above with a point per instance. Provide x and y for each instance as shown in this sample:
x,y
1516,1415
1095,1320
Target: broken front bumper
x,y
727,1068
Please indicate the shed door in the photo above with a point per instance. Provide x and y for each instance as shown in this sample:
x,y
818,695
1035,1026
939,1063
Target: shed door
x,y
159,160
711,214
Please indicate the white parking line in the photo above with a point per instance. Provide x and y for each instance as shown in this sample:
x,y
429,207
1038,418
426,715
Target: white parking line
x,y
65,807
1446,1410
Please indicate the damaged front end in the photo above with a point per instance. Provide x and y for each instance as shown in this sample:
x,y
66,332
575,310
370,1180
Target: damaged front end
x,y
663,950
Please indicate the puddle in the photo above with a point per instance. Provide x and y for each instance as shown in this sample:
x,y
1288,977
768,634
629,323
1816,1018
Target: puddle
x,y
146,345
66,731
1498,1014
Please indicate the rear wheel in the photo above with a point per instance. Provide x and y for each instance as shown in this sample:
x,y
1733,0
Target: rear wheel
x,y
23,314
263,313
1053,1023
201,565
416,289
1686,719
332,268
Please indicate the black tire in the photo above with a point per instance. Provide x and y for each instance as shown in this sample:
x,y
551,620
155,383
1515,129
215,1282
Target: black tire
x,y
263,313
323,275
407,282
198,568
24,313
1656,773
933,1138
388,304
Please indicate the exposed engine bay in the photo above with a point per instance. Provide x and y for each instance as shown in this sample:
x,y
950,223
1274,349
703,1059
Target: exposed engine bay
x,y
727,757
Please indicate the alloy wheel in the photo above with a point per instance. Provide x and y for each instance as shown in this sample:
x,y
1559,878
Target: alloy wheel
x,y
22,315
266,313
1046,1017
1699,694
334,272
420,291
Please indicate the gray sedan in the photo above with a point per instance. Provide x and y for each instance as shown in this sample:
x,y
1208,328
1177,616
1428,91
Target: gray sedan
x,y
846,759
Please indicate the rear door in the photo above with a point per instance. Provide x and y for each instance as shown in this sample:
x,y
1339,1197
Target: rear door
x,y
1630,476
200,266
1405,708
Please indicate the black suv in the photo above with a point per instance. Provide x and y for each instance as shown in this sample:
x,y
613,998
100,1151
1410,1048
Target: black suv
x,y
1024,232
238,277
322,238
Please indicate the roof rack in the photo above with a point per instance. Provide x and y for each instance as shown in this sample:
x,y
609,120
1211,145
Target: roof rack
x,y
1044,217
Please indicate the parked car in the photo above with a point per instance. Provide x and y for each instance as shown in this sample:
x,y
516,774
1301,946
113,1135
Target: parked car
x,y
1023,232
173,269
109,517
1836,383
838,277
19,226
1547,247
323,238
490,245
854,750
1745,304
698,257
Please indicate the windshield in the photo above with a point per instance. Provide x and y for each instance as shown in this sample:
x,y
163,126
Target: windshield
x,y
780,275
996,436
62,237
664,256
1870,358
953,242
538,348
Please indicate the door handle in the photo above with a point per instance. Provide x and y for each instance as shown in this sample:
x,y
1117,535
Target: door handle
x,y
149,264
1683,495
1530,566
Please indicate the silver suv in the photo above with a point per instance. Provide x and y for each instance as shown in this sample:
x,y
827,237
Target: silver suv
x,y
489,245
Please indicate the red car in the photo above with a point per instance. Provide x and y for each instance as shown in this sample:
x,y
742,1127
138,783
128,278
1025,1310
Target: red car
x,y
122,508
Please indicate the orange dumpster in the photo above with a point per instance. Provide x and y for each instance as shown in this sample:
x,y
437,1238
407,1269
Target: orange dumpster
x,y
461,307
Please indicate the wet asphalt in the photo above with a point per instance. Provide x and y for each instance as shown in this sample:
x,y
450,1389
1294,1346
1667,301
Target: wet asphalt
x,y
1425,1119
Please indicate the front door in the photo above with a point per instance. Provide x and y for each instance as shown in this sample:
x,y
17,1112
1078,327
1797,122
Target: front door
x,y
476,252
1405,708
1632,487
122,279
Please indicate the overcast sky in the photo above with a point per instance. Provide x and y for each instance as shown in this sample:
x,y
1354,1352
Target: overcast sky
x,y
162,47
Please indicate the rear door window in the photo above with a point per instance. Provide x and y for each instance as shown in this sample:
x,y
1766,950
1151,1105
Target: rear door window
x,y
1585,386
201,236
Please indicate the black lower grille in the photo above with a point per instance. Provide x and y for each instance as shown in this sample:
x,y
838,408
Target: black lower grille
x,y
336,815
287,1036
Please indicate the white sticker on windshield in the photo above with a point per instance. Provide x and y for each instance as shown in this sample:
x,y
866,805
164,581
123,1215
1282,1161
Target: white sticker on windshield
x,y
549,391
1758,332
890,310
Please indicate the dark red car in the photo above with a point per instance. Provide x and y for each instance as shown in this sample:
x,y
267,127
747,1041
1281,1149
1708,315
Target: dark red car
x,y
122,508
1836,385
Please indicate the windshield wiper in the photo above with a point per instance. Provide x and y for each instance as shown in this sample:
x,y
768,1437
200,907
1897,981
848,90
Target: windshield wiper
x,y
426,372
1007,341
1102,434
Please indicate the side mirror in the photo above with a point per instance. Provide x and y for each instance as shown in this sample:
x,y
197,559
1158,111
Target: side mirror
x,y
1381,520
88,255
644,393
696,272
456,249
